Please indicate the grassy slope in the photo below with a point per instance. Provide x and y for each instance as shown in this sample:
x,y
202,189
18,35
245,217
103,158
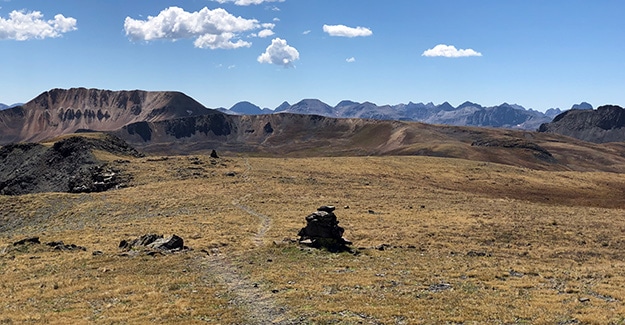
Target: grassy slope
x,y
561,230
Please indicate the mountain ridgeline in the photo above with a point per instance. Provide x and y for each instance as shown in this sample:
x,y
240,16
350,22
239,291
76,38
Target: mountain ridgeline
x,y
166,123
605,124
467,114
61,111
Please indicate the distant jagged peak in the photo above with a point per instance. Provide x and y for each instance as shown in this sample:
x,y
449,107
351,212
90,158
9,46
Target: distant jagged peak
x,y
345,103
582,105
511,106
312,106
310,101
553,112
469,104
284,106
517,106
430,105
247,108
446,106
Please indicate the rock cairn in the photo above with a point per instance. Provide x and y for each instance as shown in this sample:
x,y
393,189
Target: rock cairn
x,y
322,230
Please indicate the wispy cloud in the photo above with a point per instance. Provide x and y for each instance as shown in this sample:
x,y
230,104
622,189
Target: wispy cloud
x,y
24,25
306,32
344,31
214,29
350,60
449,51
279,53
246,2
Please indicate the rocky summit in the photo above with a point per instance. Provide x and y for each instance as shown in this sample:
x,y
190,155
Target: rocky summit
x,y
63,111
605,124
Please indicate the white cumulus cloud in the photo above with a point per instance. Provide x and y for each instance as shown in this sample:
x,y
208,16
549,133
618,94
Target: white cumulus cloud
x,y
344,31
279,53
23,25
350,60
265,33
449,51
247,2
214,29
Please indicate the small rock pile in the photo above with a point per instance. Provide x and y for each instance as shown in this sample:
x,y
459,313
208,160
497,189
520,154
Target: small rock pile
x,y
56,245
322,230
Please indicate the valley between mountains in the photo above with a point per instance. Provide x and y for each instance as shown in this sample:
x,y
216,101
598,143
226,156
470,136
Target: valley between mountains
x,y
448,224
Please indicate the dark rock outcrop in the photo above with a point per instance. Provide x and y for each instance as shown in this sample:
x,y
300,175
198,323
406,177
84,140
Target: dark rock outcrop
x,y
605,124
56,245
30,240
60,246
538,151
68,166
154,242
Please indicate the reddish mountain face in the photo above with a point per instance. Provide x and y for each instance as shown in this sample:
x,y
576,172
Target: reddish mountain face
x,y
63,111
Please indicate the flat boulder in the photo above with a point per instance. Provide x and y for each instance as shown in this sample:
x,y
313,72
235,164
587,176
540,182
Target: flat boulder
x,y
154,242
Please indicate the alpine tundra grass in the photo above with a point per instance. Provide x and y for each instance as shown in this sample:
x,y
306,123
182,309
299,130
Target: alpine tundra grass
x,y
435,241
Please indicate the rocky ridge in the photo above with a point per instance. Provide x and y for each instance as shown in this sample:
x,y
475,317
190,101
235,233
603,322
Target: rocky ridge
x,y
605,124
69,165
64,111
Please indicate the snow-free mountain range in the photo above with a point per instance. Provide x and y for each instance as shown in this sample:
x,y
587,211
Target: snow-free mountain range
x,y
5,106
467,114
166,122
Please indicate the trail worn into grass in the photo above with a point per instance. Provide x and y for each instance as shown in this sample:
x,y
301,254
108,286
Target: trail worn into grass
x,y
260,306
256,301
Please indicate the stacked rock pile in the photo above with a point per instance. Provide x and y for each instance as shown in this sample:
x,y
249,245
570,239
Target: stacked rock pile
x,y
322,230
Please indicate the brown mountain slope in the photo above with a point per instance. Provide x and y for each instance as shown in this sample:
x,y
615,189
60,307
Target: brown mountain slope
x,y
63,111
308,135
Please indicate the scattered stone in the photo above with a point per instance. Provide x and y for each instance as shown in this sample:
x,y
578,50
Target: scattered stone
x,y
603,297
97,253
516,274
439,287
477,254
322,230
584,299
371,211
31,240
153,242
382,247
231,174
214,154
60,246
346,207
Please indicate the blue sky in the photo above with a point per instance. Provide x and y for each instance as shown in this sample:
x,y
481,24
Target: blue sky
x,y
539,54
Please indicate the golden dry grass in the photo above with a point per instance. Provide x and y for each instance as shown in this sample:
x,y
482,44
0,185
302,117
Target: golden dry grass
x,y
512,245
